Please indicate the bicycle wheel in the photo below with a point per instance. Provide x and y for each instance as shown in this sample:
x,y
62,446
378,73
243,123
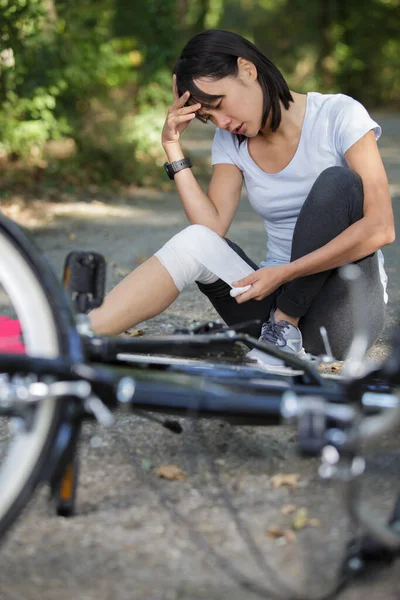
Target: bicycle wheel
x,y
30,293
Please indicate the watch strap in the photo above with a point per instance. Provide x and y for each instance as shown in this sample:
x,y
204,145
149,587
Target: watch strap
x,y
177,165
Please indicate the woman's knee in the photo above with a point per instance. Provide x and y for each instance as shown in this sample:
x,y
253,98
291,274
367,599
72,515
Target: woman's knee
x,y
337,191
341,185
195,237
343,176
181,256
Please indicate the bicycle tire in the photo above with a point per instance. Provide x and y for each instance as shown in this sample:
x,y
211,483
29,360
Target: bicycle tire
x,y
48,331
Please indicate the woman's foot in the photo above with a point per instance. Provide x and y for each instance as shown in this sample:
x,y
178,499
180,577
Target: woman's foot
x,y
284,336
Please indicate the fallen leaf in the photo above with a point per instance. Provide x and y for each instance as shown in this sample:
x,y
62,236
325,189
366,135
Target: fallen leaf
x,y
133,332
300,519
72,236
288,479
290,535
288,509
314,522
171,472
275,533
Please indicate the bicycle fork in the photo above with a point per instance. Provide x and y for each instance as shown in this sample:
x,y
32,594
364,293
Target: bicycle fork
x,y
84,281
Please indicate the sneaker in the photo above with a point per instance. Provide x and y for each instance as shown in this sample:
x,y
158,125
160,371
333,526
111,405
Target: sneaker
x,y
282,335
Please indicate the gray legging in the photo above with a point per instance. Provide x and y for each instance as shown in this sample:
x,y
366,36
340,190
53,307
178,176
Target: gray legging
x,y
334,203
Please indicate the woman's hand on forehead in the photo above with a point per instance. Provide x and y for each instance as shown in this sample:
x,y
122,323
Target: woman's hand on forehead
x,y
190,100
185,99
178,117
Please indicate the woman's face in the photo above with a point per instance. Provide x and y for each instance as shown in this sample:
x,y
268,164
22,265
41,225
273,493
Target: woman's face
x,y
240,108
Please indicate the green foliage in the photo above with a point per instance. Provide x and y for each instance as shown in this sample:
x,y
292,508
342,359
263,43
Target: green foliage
x,y
350,46
99,71
154,26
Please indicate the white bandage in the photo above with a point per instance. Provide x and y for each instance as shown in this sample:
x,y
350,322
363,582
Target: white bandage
x,y
236,291
199,254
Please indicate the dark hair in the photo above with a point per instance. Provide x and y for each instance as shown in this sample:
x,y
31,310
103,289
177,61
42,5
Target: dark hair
x,y
214,53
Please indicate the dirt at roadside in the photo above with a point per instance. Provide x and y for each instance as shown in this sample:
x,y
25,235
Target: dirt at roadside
x,y
140,536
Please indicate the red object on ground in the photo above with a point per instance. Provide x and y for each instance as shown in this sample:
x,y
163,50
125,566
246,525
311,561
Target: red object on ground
x,y
10,336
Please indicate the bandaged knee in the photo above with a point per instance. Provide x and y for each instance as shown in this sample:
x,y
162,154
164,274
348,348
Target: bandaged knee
x,y
199,254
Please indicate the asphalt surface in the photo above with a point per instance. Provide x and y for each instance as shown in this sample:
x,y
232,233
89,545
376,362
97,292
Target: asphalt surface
x,y
209,535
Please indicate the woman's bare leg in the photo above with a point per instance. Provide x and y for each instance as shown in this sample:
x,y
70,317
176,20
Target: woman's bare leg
x,y
144,293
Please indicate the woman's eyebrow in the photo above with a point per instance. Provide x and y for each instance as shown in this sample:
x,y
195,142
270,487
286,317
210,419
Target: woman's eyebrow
x,y
208,106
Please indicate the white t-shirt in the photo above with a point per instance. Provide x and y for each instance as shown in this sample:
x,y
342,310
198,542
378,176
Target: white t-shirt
x,y
332,123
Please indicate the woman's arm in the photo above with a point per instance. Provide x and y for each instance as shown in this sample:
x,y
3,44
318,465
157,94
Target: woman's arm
x,y
374,230
217,208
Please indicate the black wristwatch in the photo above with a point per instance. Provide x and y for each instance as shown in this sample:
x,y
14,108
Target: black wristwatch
x,y
176,166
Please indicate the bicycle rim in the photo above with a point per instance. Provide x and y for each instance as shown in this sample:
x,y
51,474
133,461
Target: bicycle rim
x,y
22,449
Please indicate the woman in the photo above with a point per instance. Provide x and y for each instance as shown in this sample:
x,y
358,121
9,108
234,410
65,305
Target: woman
x,y
312,171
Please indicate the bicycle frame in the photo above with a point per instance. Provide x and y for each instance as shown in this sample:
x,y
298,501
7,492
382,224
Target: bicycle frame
x,y
319,407
220,393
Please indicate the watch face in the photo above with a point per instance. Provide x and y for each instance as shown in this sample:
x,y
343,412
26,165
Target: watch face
x,y
167,168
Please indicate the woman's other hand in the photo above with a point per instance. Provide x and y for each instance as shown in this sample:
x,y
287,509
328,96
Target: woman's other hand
x,y
178,117
263,282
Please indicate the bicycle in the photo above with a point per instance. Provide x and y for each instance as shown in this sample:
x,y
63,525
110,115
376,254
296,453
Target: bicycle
x,y
68,375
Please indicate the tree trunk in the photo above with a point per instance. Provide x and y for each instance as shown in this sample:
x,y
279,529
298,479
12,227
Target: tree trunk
x,y
324,21
202,15
181,10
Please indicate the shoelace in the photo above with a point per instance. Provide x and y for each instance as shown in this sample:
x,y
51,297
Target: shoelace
x,y
272,332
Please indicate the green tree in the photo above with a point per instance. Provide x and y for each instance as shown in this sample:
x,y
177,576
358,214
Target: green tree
x,y
99,71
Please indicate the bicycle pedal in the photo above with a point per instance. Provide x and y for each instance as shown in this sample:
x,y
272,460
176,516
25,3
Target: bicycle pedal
x,y
85,279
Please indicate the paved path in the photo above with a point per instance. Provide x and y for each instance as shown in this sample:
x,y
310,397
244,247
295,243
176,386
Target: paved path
x,y
137,536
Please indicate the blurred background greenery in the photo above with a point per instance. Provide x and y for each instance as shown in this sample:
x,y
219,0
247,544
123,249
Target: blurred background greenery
x,y
84,84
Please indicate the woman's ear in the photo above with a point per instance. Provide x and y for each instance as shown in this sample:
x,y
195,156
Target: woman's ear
x,y
247,68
